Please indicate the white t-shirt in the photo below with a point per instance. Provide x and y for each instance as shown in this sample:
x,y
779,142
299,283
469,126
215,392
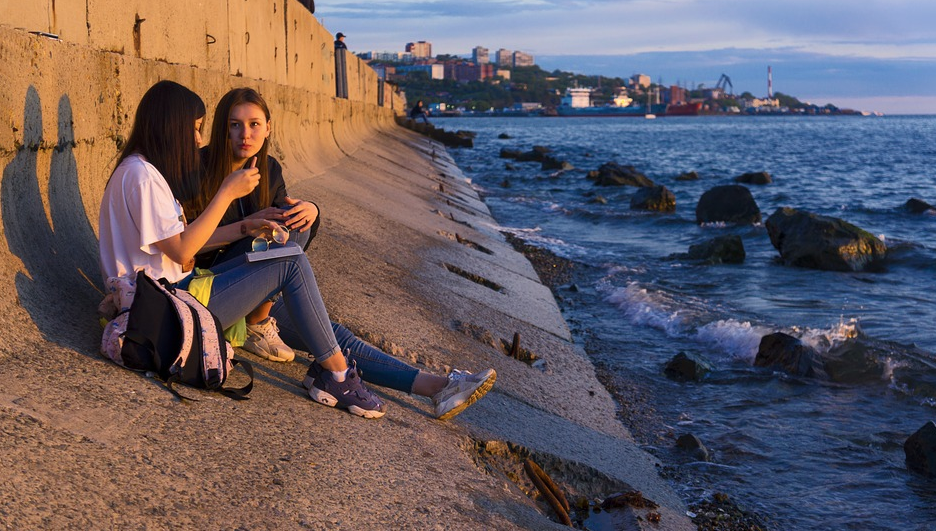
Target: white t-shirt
x,y
138,210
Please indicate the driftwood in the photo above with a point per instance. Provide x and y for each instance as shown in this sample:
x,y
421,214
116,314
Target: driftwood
x,y
550,491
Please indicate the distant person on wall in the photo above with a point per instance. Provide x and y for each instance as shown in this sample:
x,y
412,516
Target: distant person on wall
x,y
418,111
339,41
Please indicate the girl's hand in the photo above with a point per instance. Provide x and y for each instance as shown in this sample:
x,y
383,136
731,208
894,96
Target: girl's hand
x,y
241,182
300,215
262,227
268,213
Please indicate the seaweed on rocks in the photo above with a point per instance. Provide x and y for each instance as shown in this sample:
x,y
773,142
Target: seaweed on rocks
x,y
553,270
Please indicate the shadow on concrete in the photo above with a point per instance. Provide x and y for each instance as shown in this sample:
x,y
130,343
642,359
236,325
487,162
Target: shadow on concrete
x,y
59,288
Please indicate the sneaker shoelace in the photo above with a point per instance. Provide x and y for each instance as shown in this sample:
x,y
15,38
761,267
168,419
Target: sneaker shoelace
x,y
458,375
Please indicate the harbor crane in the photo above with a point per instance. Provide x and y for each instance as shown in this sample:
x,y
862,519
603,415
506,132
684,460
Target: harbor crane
x,y
724,83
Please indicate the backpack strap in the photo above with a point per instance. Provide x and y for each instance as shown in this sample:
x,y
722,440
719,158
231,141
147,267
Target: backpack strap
x,y
237,393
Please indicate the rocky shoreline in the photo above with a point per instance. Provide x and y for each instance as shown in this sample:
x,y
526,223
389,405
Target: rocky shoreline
x,y
635,401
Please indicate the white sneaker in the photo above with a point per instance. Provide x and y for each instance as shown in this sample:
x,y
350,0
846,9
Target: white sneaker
x,y
462,390
263,340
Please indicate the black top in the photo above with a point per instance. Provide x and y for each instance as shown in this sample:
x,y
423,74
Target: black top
x,y
340,45
245,206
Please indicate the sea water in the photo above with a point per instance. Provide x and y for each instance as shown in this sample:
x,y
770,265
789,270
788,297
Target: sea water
x,y
803,453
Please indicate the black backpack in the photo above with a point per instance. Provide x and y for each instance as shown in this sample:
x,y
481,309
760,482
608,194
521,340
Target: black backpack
x,y
166,331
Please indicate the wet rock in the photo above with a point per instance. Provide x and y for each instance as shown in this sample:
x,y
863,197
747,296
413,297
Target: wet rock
x,y
727,249
687,368
552,163
731,203
693,446
688,176
920,450
759,177
613,174
504,136
452,139
918,206
509,153
537,154
854,361
510,167
655,198
598,200
785,352
821,242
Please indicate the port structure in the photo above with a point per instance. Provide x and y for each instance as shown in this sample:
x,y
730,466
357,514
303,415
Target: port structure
x,y
724,84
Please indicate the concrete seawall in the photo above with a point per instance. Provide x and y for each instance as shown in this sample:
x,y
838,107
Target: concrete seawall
x,y
408,257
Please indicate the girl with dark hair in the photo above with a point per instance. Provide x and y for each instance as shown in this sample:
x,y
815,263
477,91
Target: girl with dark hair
x,y
241,132
142,226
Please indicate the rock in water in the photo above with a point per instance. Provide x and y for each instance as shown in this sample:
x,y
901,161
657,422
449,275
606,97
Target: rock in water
x,y
809,240
719,250
687,367
613,174
656,198
920,449
783,351
730,203
759,177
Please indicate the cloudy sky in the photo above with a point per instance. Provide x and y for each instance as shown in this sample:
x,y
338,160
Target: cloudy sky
x,y
875,55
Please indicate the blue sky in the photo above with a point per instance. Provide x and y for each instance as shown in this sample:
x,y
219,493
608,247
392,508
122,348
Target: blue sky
x,y
870,55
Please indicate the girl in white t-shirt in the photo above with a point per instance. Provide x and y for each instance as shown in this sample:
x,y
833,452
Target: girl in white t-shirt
x,y
142,226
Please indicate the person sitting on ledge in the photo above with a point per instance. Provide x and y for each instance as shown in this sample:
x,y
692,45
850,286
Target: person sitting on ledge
x,y
418,111
240,132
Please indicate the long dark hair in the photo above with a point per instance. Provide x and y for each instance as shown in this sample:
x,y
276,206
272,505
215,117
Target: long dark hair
x,y
220,154
163,133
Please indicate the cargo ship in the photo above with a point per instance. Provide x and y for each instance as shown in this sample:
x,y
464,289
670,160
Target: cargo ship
x,y
684,109
577,102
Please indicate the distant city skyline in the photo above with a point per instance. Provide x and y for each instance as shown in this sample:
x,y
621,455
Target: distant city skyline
x,y
874,55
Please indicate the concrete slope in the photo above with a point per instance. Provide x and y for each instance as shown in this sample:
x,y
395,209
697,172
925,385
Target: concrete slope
x,y
88,445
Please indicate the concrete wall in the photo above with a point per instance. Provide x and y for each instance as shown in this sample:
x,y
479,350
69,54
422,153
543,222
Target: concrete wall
x,y
67,104
270,40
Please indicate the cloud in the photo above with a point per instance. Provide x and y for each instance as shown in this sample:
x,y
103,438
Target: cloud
x,y
871,48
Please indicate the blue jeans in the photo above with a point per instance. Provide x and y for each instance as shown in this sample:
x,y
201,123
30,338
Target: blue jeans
x,y
240,286
238,292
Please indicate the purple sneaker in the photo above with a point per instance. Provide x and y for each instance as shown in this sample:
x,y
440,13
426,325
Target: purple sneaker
x,y
349,394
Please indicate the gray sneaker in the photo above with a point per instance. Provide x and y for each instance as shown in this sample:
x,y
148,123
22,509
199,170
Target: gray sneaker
x,y
463,389
263,340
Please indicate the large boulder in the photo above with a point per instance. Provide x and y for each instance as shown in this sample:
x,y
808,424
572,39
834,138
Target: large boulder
x,y
757,177
731,203
821,242
613,174
785,352
656,198
727,249
920,450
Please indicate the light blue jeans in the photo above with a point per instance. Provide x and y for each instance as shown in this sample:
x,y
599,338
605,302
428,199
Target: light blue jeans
x,y
240,286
